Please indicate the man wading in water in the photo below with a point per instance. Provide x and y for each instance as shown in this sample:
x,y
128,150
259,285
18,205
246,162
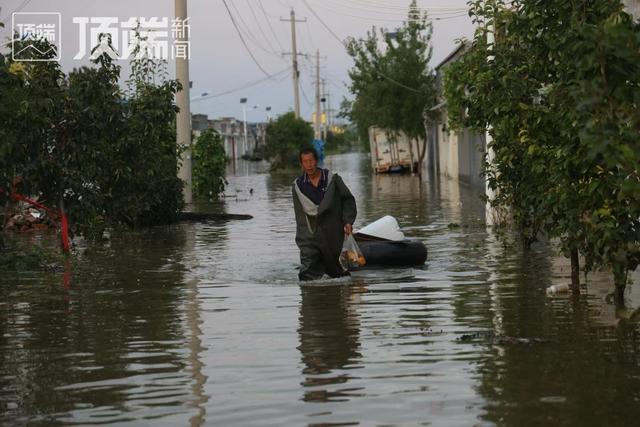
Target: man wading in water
x,y
325,211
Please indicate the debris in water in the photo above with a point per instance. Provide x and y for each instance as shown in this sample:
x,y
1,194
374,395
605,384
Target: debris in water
x,y
499,339
557,289
553,399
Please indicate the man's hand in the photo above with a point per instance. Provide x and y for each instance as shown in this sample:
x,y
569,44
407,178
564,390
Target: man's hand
x,y
348,228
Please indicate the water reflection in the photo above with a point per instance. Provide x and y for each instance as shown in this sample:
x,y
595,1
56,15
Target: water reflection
x,y
109,347
329,331
206,323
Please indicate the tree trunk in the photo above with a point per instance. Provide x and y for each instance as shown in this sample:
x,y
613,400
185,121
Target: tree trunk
x,y
422,151
413,157
575,271
620,281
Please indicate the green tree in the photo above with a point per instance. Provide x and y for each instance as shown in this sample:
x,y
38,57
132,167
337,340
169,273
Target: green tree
x,y
393,86
210,163
150,144
80,144
342,139
560,99
94,131
285,137
32,113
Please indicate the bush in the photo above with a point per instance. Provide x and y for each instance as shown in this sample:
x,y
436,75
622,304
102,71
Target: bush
x,y
560,100
285,137
210,163
79,143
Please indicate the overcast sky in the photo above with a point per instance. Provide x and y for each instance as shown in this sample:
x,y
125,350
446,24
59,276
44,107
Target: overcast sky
x,y
219,61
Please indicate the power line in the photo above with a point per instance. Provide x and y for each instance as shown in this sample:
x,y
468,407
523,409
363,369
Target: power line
x,y
270,26
384,6
244,42
450,17
255,17
246,29
17,9
343,44
282,74
339,8
309,35
304,95
323,23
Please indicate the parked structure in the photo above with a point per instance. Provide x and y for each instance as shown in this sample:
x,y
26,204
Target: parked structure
x,y
232,132
456,154
392,153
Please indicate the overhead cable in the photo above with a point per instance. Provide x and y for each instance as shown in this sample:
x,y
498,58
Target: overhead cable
x,y
235,25
397,83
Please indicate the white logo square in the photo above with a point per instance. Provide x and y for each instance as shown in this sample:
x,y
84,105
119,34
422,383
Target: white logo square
x,y
32,29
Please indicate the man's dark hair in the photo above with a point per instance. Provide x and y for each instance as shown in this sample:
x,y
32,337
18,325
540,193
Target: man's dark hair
x,y
308,150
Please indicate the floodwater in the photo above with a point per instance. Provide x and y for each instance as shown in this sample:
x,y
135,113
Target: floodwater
x,y
206,324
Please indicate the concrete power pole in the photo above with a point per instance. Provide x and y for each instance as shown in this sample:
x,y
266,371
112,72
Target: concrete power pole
x,y
294,56
318,113
329,111
324,114
490,211
183,117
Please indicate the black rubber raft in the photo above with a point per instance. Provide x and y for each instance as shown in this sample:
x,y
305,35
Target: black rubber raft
x,y
403,253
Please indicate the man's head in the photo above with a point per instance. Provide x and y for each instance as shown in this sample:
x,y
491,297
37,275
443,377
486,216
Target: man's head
x,y
309,160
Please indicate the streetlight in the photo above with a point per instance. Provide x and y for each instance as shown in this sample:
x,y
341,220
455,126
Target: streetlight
x,y
268,109
243,101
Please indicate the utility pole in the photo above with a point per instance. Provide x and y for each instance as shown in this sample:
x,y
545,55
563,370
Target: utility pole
x,y
183,117
490,211
294,56
329,110
318,114
323,115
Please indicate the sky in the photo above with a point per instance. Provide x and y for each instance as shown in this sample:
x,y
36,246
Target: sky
x,y
221,63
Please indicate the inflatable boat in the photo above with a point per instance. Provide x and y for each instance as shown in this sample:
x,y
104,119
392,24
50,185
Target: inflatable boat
x,y
383,244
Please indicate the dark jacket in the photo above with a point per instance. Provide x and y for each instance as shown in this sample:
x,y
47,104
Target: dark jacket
x,y
323,233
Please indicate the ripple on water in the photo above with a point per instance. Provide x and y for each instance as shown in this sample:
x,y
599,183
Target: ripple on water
x,y
207,323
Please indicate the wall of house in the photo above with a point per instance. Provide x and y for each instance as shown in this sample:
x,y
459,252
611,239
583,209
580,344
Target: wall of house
x,y
471,148
456,155
447,151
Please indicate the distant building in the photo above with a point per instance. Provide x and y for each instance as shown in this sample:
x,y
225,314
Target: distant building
x,y
456,154
232,132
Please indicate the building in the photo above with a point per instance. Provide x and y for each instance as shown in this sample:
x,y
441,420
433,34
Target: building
x,y
458,155
232,132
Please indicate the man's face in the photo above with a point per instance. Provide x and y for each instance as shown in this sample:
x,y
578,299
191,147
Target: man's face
x,y
309,163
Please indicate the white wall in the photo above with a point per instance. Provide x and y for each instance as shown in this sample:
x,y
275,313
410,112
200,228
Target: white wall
x,y
448,151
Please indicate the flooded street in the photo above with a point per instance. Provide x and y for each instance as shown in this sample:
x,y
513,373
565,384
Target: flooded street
x,y
207,324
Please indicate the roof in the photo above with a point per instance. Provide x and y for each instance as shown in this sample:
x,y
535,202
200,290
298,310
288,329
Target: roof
x,y
461,48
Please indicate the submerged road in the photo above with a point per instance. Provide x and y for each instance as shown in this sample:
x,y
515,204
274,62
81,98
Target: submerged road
x,y
205,323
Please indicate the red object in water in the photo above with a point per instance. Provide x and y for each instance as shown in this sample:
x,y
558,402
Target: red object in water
x,y
64,231
64,223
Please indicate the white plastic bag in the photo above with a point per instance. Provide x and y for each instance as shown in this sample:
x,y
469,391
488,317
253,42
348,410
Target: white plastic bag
x,y
351,256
